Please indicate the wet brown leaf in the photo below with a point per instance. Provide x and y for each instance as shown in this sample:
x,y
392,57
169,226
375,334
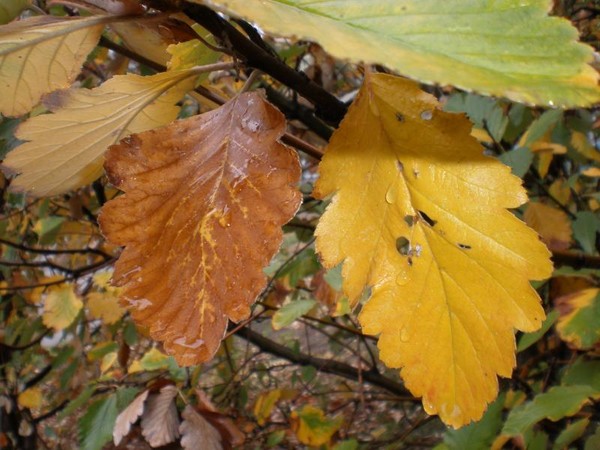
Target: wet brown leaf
x,y
205,201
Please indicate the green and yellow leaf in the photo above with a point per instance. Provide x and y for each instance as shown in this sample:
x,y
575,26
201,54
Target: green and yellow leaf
x,y
312,427
41,54
579,320
507,48
419,217
558,402
65,149
9,9
61,306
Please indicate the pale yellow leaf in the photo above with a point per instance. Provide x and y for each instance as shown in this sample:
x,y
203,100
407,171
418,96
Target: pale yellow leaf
x,y
65,149
41,54
551,223
105,306
419,216
128,417
31,398
61,306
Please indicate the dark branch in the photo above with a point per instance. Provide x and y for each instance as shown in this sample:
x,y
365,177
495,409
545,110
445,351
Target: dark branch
x,y
324,365
328,107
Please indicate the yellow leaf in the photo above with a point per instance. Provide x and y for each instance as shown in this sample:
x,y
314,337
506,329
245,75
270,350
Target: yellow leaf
x,y
61,306
580,142
151,38
192,53
312,427
105,306
66,148
264,405
108,361
41,54
31,398
551,223
213,251
561,191
592,172
419,216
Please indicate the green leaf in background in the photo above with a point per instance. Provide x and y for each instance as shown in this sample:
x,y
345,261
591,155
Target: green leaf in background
x,y
508,48
570,434
542,125
47,228
558,402
477,435
593,442
519,160
528,339
290,312
10,9
96,426
585,227
77,402
484,112
583,373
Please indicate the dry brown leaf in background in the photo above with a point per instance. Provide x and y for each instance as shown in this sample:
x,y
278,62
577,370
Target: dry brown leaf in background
x,y
205,199
231,435
195,430
552,224
324,293
160,423
128,417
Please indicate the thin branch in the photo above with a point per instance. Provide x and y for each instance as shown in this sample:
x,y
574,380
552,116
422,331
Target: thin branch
x,y
575,259
45,251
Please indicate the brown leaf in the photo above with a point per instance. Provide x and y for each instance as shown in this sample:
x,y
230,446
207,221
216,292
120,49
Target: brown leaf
x,y
159,421
205,201
195,429
128,417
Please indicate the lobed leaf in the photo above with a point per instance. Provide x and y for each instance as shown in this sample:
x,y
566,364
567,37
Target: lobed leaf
x,y
41,54
419,217
65,149
508,48
205,199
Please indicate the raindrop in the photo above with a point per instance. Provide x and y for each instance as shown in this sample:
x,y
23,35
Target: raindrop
x,y
427,114
402,278
404,336
390,195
